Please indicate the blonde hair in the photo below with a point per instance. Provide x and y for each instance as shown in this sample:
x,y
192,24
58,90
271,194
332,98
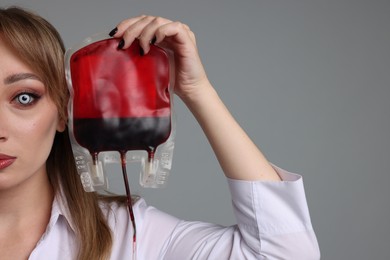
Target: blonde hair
x,y
40,46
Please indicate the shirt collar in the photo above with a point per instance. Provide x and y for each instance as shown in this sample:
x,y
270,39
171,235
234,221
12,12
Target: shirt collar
x,y
60,209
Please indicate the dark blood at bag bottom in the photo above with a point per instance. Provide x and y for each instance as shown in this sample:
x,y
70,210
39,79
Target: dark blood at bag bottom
x,y
122,134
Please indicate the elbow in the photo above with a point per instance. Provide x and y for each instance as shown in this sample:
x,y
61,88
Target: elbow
x,y
301,245
306,248
313,250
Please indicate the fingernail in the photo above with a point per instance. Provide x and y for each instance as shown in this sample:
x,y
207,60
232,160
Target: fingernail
x,y
113,32
153,41
121,44
141,51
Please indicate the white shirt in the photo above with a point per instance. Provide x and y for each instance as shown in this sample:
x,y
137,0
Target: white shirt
x,y
273,222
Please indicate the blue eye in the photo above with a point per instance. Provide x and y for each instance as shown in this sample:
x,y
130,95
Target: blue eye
x,y
26,99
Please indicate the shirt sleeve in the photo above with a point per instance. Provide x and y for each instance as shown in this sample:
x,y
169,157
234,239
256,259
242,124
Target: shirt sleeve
x,y
273,222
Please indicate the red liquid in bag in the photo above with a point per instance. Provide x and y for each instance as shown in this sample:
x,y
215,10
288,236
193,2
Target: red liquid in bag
x,y
121,100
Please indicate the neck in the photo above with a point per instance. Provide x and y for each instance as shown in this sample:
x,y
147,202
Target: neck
x,y
33,197
24,214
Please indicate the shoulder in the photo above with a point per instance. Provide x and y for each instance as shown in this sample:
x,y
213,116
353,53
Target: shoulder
x,y
117,214
147,220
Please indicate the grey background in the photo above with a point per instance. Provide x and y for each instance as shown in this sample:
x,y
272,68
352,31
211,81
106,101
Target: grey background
x,y
308,80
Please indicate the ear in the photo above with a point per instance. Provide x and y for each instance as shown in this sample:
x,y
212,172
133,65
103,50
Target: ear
x,y
61,125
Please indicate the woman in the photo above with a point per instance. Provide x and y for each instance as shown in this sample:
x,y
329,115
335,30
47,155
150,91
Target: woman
x,y
44,212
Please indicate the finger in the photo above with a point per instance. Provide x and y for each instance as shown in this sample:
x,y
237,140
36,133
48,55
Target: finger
x,y
130,29
190,33
174,30
134,31
118,31
148,33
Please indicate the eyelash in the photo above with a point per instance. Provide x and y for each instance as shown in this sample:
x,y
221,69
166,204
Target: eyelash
x,y
32,95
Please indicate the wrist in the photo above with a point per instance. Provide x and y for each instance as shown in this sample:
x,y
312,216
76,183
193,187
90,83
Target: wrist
x,y
198,94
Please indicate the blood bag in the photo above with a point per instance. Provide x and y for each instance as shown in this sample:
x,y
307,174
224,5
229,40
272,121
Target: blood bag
x,y
121,108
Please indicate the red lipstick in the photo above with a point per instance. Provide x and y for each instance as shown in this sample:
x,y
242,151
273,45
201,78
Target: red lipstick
x,y
6,160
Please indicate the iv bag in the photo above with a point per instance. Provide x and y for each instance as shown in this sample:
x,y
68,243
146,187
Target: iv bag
x,y
121,102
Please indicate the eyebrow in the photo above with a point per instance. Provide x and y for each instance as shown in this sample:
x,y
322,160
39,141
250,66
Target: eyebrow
x,y
20,76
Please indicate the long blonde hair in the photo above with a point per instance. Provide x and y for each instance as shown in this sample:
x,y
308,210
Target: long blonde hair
x,y
40,46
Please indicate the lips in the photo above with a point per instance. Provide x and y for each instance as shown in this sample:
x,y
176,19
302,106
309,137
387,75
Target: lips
x,y
6,161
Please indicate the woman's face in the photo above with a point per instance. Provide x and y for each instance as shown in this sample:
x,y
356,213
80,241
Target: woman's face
x,y
28,122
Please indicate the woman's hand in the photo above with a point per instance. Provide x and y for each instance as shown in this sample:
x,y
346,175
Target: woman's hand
x,y
190,77
237,154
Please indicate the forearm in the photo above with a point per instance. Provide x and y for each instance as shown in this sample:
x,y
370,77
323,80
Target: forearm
x,y
237,154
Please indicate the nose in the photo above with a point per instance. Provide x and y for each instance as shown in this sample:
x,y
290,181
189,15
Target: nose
x,y
2,137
